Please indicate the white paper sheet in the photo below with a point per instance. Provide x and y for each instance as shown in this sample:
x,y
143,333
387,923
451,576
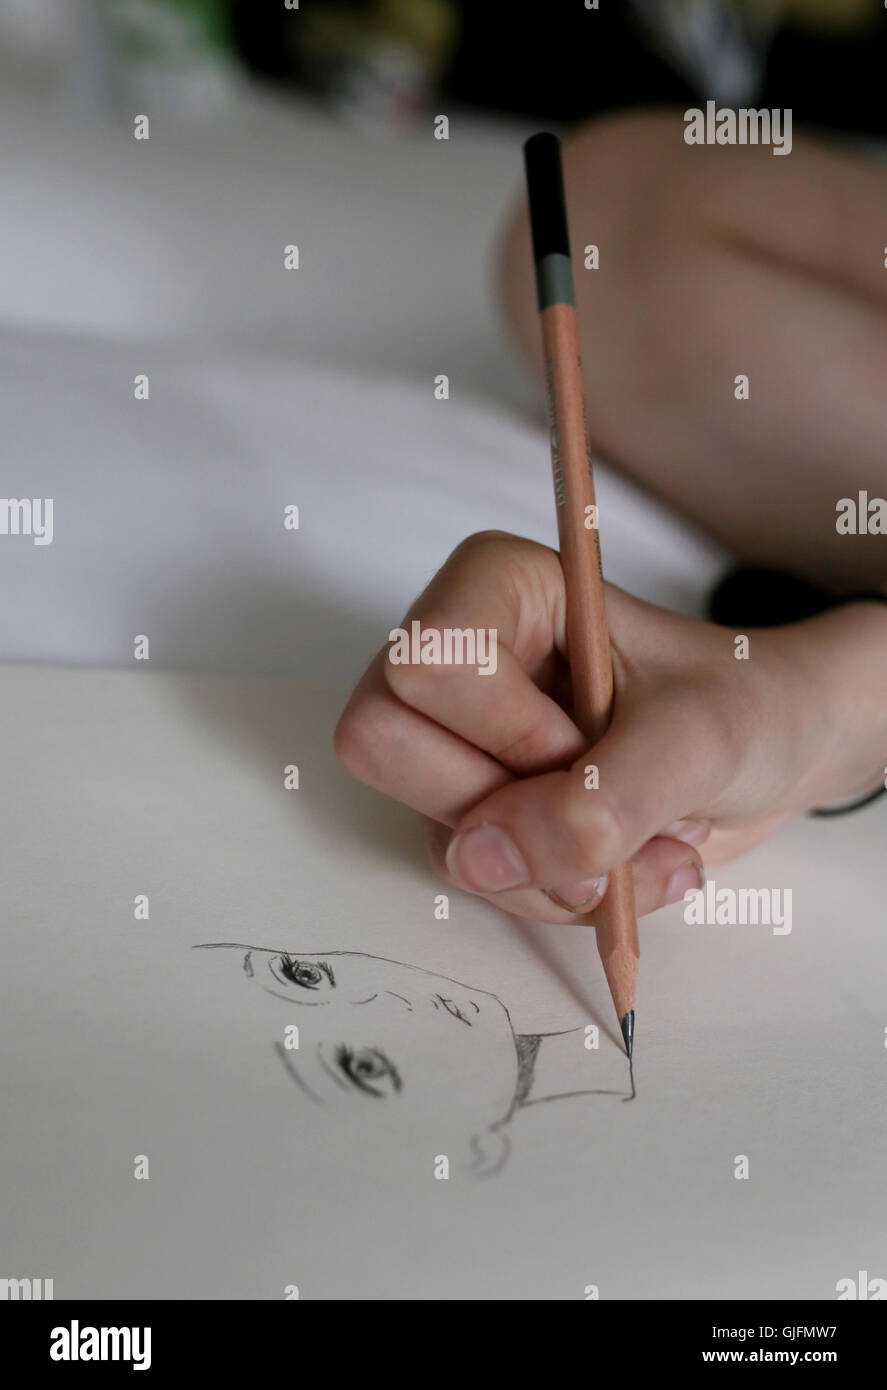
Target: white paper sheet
x,y
121,1042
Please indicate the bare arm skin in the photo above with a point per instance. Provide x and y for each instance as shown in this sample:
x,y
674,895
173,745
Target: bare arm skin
x,y
715,261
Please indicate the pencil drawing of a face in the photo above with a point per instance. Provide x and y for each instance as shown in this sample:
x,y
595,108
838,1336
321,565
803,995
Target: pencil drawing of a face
x,y
395,1040
367,1026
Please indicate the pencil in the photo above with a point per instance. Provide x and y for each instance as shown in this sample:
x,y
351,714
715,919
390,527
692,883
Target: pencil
x,y
588,638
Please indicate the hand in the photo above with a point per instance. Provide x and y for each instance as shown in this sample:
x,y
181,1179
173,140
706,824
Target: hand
x,y
702,749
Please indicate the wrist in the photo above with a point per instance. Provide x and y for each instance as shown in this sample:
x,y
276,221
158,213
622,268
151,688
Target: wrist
x,y
841,658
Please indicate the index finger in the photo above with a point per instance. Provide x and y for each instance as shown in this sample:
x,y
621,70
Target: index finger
x,y
481,648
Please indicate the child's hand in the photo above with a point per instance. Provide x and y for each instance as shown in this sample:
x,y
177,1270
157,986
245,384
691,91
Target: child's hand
x,y
703,748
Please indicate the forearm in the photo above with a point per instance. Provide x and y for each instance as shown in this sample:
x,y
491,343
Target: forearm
x,y
717,264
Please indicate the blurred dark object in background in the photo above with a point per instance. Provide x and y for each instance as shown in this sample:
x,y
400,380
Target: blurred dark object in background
x,y
561,62
379,58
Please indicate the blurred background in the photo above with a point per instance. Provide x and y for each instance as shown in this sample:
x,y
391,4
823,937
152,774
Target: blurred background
x,y
246,95
273,125
387,60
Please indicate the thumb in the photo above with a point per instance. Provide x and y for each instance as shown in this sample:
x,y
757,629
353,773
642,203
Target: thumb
x,y
658,763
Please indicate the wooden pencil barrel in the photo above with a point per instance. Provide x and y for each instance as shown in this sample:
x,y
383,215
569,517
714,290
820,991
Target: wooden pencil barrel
x,y
588,637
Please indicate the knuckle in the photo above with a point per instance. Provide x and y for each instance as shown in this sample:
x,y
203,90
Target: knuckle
x,y
408,679
596,829
482,541
366,739
503,548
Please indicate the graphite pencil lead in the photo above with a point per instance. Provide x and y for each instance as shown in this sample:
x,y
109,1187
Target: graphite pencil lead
x,y
627,1025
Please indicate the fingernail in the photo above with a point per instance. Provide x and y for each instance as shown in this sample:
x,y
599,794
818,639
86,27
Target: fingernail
x,y
580,897
486,859
689,878
689,832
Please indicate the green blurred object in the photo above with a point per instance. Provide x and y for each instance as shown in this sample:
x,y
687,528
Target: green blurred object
x,y
164,31
174,56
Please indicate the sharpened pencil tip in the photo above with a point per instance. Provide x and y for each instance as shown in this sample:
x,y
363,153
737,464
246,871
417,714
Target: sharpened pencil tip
x,y
627,1026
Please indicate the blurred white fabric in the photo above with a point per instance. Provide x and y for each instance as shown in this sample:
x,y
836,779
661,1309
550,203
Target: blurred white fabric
x,y
182,236
268,387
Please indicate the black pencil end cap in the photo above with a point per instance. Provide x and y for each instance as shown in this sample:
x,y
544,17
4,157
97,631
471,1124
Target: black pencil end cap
x,y
545,193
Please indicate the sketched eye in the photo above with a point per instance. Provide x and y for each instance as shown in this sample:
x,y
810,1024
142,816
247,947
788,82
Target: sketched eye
x,y
313,975
369,1070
